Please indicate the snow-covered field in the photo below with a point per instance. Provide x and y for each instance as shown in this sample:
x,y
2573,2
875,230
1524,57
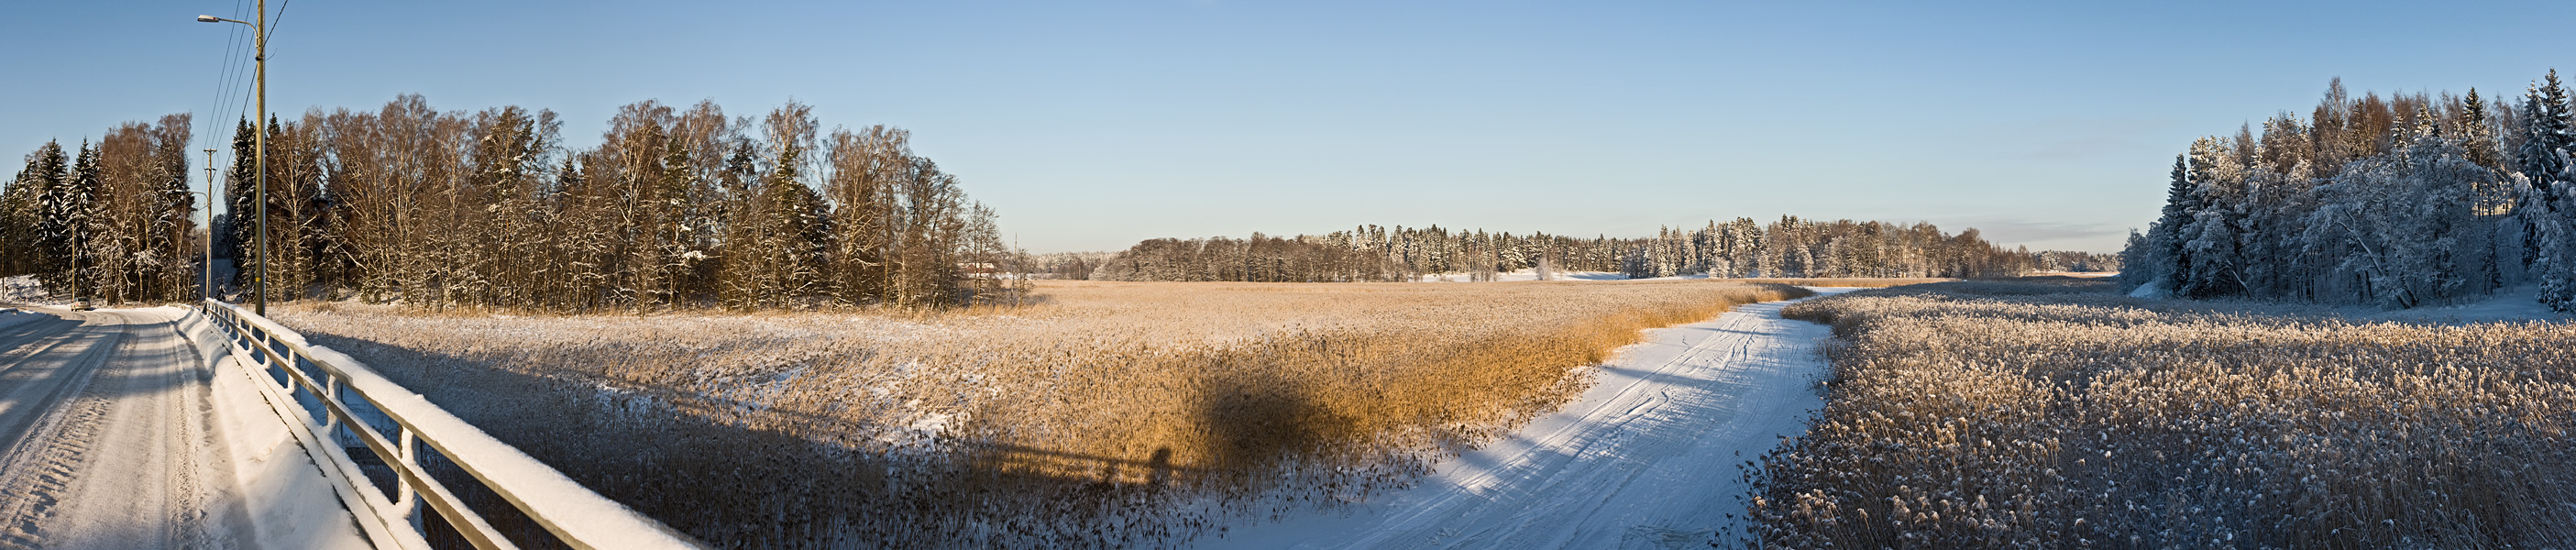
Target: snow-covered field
x,y
1532,275
1645,459
1850,282
1116,414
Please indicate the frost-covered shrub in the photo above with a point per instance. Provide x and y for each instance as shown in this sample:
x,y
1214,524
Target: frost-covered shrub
x,y
1991,415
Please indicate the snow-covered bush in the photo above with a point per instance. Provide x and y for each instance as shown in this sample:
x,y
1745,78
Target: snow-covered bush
x,y
2063,415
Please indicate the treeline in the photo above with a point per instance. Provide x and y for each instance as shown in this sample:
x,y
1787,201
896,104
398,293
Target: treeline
x,y
674,208
2062,260
2399,201
114,218
1794,247
1790,247
1066,265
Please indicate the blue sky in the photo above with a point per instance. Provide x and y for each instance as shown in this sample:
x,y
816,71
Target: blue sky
x,y
1090,126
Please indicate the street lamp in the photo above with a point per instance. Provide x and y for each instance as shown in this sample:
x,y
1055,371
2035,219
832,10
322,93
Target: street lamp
x,y
259,37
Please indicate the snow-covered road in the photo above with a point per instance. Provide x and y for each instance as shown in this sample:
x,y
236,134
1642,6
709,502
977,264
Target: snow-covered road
x,y
104,437
110,438
1648,458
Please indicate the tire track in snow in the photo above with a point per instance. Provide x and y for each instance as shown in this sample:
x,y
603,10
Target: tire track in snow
x,y
30,338
1647,458
108,441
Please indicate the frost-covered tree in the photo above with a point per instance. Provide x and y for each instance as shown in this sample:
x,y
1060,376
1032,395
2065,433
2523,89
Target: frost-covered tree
x,y
2395,201
2162,265
2209,256
2406,217
2548,129
37,236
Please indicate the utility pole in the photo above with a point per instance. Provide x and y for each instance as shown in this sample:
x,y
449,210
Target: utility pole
x,y
76,300
259,144
207,289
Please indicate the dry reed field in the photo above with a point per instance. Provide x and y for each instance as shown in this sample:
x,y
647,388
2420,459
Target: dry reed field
x,y
2057,414
1108,415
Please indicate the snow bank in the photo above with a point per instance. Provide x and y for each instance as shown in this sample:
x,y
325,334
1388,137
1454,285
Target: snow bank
x,y
24,289
290,501
2153,290
2512,304
10,317
593,519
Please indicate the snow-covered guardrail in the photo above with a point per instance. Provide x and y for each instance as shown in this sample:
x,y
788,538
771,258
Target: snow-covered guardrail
x,y
573,515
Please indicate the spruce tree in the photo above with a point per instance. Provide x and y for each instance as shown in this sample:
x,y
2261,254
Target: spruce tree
x,y
240,193
33,224
2165,263
75,211
50,174
2478,129
2546,134
18,223
2208,256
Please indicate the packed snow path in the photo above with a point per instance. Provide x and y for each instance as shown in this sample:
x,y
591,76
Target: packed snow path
x,y
104,437
109,438
1648,458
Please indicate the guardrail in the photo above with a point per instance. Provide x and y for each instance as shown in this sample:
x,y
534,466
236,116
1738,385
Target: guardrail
x,y
572,515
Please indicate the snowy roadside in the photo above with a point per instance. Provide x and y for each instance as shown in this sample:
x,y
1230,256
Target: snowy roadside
x,y
1648,458
2513,304
24,289
10,317
582,515
290,503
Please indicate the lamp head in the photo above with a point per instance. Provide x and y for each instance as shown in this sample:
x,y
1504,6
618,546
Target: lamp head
x,y
209,19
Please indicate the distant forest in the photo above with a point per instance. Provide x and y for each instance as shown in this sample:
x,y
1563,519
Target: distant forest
x,y
1790,247
2398,201
675,207
692,208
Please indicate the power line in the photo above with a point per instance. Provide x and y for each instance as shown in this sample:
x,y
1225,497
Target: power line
x,y
232,84
281,16
223,87
225,82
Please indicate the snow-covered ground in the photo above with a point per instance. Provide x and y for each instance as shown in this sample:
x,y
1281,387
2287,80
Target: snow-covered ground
x,y
2514,304
1532,275
580,513
105,438
1648,458
1529,275
10,317
24,289
287,499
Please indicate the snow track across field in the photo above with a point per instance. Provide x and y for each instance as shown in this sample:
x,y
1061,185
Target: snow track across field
x,y
1648,458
